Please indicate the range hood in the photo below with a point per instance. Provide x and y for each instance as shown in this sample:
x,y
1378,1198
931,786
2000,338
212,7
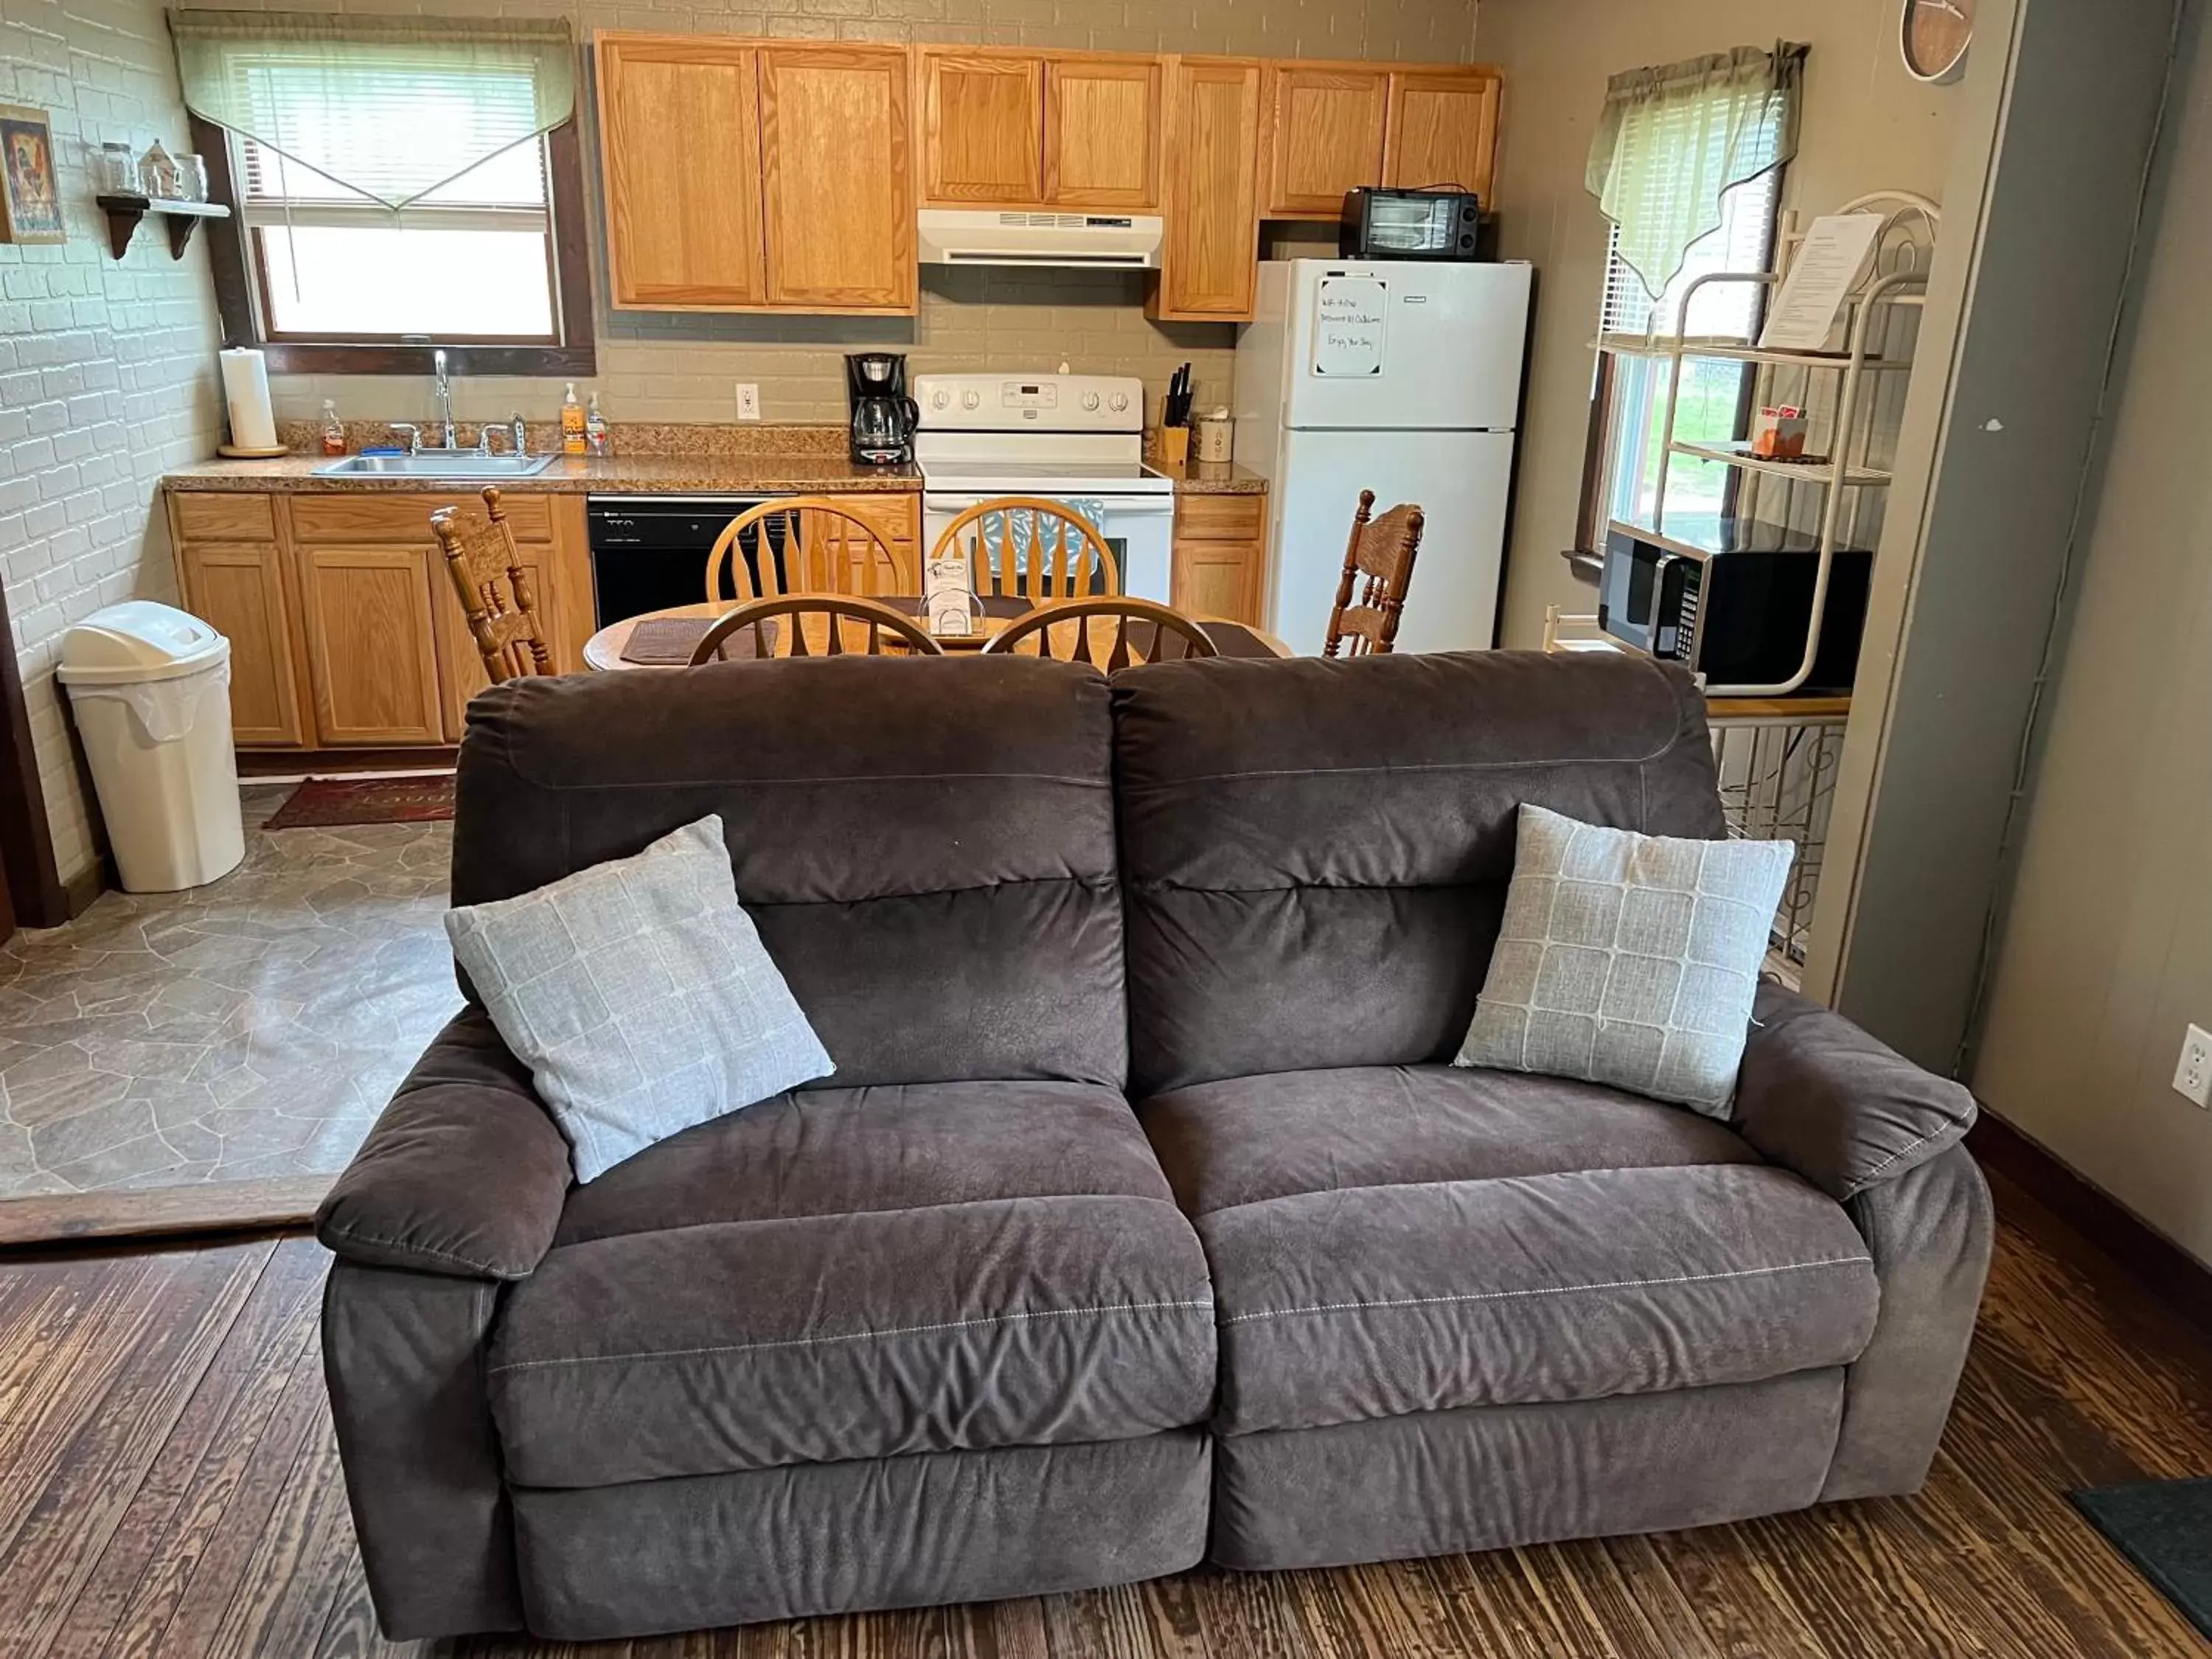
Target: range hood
x,y
1099,241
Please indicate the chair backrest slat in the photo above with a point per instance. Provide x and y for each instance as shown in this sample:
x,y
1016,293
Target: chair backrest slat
x,y
1032,632
877,620
803,544
1065,556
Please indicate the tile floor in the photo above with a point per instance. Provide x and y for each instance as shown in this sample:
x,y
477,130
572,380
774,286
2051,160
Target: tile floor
x,y
252,1028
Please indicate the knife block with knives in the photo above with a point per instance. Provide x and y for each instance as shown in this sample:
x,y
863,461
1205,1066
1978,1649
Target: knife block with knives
x,y
1174,418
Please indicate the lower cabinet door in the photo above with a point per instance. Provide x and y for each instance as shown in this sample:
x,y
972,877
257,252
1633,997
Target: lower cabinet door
x,y
372,653
237,588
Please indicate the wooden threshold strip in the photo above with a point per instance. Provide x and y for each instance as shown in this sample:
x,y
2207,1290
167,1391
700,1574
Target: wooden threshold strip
x,y
214,1206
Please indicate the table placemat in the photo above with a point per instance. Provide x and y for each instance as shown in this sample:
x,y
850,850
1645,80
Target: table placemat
x,y
669,642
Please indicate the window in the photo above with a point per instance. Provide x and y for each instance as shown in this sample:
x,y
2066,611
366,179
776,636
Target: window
x,y
1715,406
472,260
395,188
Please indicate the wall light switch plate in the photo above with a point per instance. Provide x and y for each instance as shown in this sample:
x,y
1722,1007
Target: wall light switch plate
x,y
2192,1078
748,401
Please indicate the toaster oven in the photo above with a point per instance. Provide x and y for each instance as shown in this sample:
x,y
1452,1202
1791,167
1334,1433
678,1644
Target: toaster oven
x,y
1410,224
1731,599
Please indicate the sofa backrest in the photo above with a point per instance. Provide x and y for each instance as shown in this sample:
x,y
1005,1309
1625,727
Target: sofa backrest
x,y
925,846
1316,854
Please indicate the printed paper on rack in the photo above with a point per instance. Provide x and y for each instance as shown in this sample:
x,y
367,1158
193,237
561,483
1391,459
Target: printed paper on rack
x,y
1826,267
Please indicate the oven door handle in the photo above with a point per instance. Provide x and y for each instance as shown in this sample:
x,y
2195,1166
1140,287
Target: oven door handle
x,y
1137,508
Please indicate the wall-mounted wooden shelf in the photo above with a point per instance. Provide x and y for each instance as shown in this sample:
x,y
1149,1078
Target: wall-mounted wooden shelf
x,y
123,212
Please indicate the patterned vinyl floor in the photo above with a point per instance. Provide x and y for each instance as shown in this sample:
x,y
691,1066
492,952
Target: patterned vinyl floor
x,y
250,1028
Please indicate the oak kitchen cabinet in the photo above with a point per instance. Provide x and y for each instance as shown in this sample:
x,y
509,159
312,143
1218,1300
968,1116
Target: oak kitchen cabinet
x,y
1443,128
1015,129
1325,125
681,236
345,629
1208,262
1220,555
1329,127
805,202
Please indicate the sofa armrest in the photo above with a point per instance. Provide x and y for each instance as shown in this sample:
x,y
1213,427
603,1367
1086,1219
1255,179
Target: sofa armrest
x,y
466,1173
1821,1097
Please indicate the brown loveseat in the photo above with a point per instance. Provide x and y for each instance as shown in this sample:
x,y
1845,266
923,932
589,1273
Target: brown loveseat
x,y
964,1322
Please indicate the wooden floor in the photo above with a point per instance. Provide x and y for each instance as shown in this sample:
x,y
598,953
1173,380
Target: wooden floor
x,y
169,1486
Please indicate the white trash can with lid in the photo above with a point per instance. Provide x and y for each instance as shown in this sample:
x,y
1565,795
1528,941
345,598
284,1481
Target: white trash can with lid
x,y
151,688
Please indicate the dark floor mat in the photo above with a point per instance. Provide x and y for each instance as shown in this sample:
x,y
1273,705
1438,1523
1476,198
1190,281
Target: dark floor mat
x,y
2164,1526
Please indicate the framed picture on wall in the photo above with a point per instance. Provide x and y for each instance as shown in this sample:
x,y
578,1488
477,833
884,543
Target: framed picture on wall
x,y
30,191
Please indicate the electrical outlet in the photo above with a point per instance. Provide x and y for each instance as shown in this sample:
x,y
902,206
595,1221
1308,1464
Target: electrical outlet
x,y
2192,1078
748,401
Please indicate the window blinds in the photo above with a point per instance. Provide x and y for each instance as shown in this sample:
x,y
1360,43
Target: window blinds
x,y
386,109
1671,141
1725,311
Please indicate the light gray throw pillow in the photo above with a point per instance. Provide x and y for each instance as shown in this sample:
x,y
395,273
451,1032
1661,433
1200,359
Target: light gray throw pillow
x,y
639,996
1630,960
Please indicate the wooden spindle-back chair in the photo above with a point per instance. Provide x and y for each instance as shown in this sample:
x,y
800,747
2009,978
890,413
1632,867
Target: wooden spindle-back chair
x,y
480,558
1100,631
802,544
840,614
1380,561
1066,557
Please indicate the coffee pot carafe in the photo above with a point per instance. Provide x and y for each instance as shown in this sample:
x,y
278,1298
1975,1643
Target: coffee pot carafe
x,y
884,417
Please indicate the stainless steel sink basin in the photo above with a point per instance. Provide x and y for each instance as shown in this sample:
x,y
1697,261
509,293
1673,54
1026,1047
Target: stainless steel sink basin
x,y
468,465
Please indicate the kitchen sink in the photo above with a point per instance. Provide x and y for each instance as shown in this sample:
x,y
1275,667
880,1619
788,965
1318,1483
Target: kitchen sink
x,y
467,466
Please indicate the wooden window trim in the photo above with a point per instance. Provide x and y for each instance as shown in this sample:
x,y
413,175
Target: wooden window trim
x,y
576,354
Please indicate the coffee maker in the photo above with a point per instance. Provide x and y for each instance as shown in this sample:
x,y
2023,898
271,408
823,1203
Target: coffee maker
x,y
884,417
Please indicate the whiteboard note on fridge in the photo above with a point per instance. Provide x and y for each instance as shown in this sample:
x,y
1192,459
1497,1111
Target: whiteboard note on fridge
x,y
1349,317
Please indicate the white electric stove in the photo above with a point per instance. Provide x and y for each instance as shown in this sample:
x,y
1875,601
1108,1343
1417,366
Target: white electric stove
x,y
1074,437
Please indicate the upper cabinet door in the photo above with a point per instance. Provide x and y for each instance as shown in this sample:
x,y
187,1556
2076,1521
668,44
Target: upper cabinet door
x,y
837,177
1443,130
1101,132
684,232
1325,126
1209,263
983,127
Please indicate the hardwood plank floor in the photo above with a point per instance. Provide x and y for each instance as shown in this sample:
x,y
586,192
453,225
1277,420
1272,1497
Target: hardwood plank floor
x,y
169,1488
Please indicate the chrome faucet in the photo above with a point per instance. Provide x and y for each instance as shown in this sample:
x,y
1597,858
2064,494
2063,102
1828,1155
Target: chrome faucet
x,y
411,433
443,387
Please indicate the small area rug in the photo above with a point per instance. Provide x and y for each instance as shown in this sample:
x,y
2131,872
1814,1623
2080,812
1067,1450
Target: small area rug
x,y
2164,1526
328,803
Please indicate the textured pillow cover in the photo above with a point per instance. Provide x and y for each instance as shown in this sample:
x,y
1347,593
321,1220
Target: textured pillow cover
x,y
1629,960
639,996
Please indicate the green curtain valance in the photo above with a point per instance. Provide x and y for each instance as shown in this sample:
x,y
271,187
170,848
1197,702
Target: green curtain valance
x,y
1671,139
389,107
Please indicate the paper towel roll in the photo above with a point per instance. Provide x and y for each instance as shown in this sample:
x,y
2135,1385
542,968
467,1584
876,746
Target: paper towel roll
x,y
245,389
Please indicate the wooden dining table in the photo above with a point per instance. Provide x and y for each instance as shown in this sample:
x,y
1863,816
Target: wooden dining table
x,y
604,650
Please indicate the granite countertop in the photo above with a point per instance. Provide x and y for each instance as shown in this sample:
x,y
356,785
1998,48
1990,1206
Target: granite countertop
x,y
1210,478
570,475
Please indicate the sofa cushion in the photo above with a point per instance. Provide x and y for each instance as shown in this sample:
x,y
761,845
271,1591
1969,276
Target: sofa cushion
x,y
1316,853
927,848
1460,1259
892,1274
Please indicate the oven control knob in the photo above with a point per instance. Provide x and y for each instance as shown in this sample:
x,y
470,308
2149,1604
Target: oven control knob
x,y
941,398
1118,402
1090,400
971,400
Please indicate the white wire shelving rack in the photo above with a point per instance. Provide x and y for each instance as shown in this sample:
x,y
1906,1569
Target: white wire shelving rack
x,y
1897,279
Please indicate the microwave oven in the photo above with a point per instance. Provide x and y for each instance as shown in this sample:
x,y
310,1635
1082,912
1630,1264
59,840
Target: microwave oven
x,y
1410,224
1731,599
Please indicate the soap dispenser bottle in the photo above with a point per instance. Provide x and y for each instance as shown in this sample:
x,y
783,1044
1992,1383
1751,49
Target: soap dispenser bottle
x,y
333,434
571,423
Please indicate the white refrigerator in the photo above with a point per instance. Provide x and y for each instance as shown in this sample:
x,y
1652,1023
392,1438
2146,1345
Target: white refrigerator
x,y
1399,376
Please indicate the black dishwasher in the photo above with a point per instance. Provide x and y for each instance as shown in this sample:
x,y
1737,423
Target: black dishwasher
x,y
649,552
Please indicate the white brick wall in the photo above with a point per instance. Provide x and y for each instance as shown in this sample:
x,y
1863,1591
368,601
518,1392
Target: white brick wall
x,y
674,367
106,369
